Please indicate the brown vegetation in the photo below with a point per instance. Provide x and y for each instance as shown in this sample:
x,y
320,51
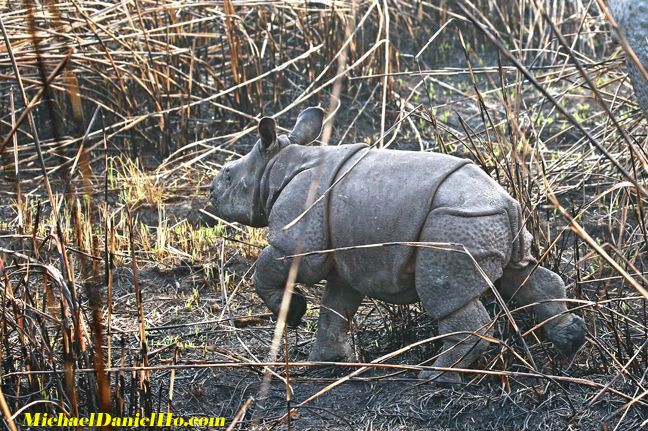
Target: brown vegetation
x,y
128,297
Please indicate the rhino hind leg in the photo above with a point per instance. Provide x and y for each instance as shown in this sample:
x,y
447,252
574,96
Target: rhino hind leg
x,y
545,289
338,306
449,284
463,344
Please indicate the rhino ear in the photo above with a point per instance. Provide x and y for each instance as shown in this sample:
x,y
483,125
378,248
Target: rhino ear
x,y
308,126
267,132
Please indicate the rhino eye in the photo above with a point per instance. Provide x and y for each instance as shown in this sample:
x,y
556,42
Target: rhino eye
x,y
228,177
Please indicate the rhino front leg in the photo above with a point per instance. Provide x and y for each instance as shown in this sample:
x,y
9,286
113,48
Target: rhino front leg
x,y
270,279
528,286
339,305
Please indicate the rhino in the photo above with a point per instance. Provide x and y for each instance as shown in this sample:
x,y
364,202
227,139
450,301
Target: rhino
x,y
349,200
631,17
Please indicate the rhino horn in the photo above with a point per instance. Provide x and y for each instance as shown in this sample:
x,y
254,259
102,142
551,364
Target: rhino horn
x,y
308,126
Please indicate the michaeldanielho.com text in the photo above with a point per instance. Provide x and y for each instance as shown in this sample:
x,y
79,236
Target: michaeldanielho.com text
x,y
105,419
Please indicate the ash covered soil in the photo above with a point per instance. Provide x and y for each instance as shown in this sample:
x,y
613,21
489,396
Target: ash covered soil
x,y
378,399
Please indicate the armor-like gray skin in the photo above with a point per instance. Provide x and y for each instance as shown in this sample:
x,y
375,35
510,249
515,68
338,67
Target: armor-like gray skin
x,y
386,196
631,17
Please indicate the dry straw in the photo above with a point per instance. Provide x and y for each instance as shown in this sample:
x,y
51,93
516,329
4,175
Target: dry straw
x,y
117,288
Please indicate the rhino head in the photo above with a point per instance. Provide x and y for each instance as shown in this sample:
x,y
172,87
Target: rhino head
x,y
236,192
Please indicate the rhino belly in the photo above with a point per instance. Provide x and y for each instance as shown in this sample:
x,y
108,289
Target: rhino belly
x,y
385,273
381,203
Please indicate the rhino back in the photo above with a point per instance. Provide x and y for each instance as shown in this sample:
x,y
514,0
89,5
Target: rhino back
x,y
384,197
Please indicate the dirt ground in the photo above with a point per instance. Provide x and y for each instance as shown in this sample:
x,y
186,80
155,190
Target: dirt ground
x,y
374,400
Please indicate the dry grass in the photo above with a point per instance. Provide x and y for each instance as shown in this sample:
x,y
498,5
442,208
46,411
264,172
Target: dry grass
x,y
120,293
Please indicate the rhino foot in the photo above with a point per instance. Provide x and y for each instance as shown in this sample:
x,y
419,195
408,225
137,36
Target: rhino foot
x,y
441,378
338,306
296,310
568,334
331,352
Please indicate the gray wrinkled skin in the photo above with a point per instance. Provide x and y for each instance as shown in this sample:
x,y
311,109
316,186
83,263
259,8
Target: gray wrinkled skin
x,y
386,196
631,17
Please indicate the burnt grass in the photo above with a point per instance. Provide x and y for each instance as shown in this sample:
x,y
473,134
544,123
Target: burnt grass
x,y
191,288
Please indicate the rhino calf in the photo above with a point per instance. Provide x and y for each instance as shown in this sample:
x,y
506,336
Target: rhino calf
x,y
360,196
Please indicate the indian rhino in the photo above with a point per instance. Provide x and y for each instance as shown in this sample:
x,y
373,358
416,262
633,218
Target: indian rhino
x,y
380,196
632,19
